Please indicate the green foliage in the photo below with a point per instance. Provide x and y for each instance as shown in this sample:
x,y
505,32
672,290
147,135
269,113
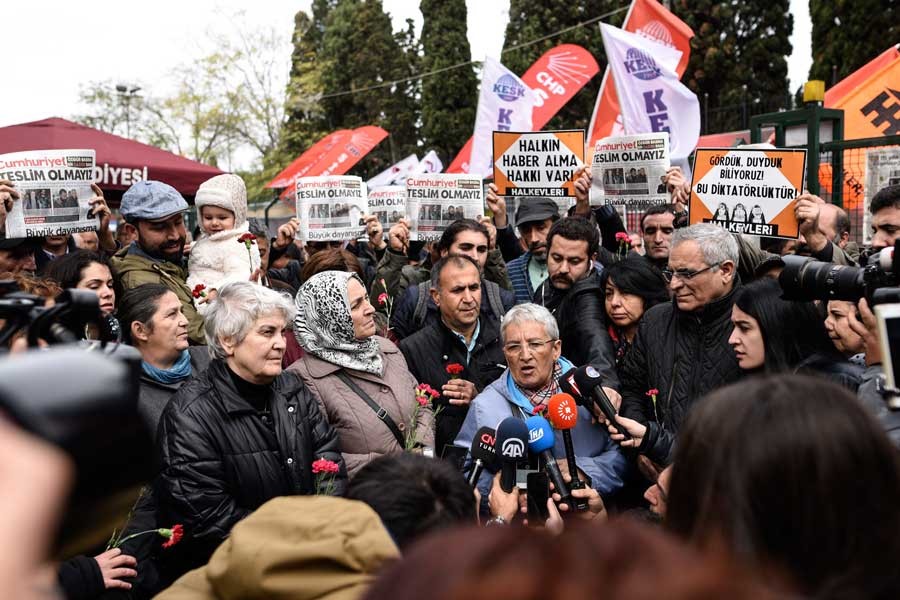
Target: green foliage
x,y
532,19
304,119
449,99
737,44
848,34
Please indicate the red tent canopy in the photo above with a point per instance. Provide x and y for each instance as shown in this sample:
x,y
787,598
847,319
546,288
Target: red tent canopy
x,y
120,161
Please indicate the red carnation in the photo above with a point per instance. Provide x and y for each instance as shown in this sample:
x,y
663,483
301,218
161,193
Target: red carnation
x,y
454,369
323,465
174,535
622,237
382,298
198,292
247,238
652,392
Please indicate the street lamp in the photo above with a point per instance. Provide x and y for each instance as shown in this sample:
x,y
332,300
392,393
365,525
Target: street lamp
x,y
127,92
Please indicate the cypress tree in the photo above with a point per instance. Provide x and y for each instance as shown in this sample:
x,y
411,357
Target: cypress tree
x,y
449,99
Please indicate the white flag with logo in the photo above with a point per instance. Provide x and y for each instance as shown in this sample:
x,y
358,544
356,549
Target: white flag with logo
x,y
651,96
504,104
394,173
430,163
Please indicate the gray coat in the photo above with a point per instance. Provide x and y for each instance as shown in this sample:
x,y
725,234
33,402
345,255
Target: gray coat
x,y
155,395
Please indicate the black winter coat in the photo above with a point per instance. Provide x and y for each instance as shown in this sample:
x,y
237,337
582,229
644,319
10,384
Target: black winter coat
x,y
582,326
220,462
430,350
682,355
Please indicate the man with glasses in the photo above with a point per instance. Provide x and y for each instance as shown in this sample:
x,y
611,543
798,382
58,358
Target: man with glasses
x,y
681,348
533,352
573,294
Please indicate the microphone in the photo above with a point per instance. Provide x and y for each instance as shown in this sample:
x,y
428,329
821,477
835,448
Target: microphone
x,y
563,413
540,441
483,452
585,385
512,442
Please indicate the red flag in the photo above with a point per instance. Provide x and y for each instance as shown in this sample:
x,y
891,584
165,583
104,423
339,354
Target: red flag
x,y
555,78
652,20
285,179
341,158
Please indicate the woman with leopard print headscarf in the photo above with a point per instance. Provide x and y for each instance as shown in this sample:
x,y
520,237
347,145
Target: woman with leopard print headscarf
x,y
360,379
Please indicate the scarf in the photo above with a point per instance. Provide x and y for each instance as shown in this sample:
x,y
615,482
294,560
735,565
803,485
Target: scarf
x,y
527,400
180,371
324,327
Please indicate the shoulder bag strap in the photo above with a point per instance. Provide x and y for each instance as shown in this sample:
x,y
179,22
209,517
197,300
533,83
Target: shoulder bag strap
x,y
379,410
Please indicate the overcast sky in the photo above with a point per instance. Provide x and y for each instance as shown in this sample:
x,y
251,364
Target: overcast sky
x,y
54,48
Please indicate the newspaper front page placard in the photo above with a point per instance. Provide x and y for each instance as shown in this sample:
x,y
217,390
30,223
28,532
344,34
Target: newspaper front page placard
x,y
882,170
435,201
537,164
749,191
54,188
388,203
331,208
627,170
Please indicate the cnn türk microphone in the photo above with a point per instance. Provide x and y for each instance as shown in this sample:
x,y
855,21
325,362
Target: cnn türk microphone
x,y
586,386
483,453
541,441
512,448
562,411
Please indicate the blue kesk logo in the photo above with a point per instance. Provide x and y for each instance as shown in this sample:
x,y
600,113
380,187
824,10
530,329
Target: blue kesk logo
x,y
641,65
508,89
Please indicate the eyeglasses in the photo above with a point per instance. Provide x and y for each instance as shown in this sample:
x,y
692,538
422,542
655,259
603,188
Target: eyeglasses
x,y
533,346
686,274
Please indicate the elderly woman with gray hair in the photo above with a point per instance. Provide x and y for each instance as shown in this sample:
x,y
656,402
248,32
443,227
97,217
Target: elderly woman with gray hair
x,y
240,433
361,380
533,352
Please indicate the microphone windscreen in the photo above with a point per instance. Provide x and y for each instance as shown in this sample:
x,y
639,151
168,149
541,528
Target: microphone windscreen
x,y
483,446
562,411
512,440
540,434
587,378
568,385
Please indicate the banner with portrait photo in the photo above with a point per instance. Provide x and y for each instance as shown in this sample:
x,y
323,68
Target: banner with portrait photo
x,y
435,201
331,208
54,188
627,171
539,164
749,191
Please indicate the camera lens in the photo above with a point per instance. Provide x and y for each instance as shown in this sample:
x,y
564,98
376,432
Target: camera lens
x,y
806,279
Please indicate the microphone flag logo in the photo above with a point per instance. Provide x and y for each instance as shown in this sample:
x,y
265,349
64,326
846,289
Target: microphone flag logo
x,y
513,448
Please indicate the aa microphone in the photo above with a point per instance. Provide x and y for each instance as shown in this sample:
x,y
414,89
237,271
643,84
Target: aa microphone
x,y
512,447
540,441
563,413
586,386
483,453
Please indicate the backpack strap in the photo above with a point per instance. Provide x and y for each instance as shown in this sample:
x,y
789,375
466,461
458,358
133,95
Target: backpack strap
x,y
421,306
379,410
494,299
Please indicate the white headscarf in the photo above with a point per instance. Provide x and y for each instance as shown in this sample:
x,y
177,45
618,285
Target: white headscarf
x,y
324,327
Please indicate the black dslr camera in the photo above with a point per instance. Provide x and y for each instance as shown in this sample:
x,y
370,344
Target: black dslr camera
x,y
807,279
80,396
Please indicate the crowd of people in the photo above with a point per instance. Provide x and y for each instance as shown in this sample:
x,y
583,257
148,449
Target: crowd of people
x,y
316,410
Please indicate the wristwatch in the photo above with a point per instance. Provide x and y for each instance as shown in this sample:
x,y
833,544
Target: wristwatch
x,y
497,521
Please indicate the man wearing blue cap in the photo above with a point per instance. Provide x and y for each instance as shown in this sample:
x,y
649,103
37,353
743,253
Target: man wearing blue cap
x,y
156,209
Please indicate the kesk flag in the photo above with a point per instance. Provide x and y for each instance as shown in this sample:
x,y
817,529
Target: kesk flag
x,y
301,164
652,20
555,77
651,96
395,172
505,103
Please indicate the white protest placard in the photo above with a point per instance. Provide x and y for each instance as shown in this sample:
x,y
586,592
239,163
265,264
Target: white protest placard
x,y
436,200
539,164
331,208
882,170
388,203
54,188
748,190
626,171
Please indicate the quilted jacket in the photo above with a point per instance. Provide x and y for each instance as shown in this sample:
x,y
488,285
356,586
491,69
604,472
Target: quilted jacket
x,y
683,355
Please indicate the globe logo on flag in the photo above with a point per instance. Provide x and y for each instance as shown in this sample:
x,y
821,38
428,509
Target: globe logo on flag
x,y
508,89
641,65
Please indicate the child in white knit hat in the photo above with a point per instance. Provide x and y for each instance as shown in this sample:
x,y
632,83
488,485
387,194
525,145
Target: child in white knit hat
x,y
225,251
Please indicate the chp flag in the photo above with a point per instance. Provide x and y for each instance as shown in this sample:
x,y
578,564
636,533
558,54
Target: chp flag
x,y
749,191
541,164
395,173
505,103
651,97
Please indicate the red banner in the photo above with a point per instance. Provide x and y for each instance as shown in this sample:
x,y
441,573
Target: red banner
x,y
650,19
286,178
341,158
555,78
